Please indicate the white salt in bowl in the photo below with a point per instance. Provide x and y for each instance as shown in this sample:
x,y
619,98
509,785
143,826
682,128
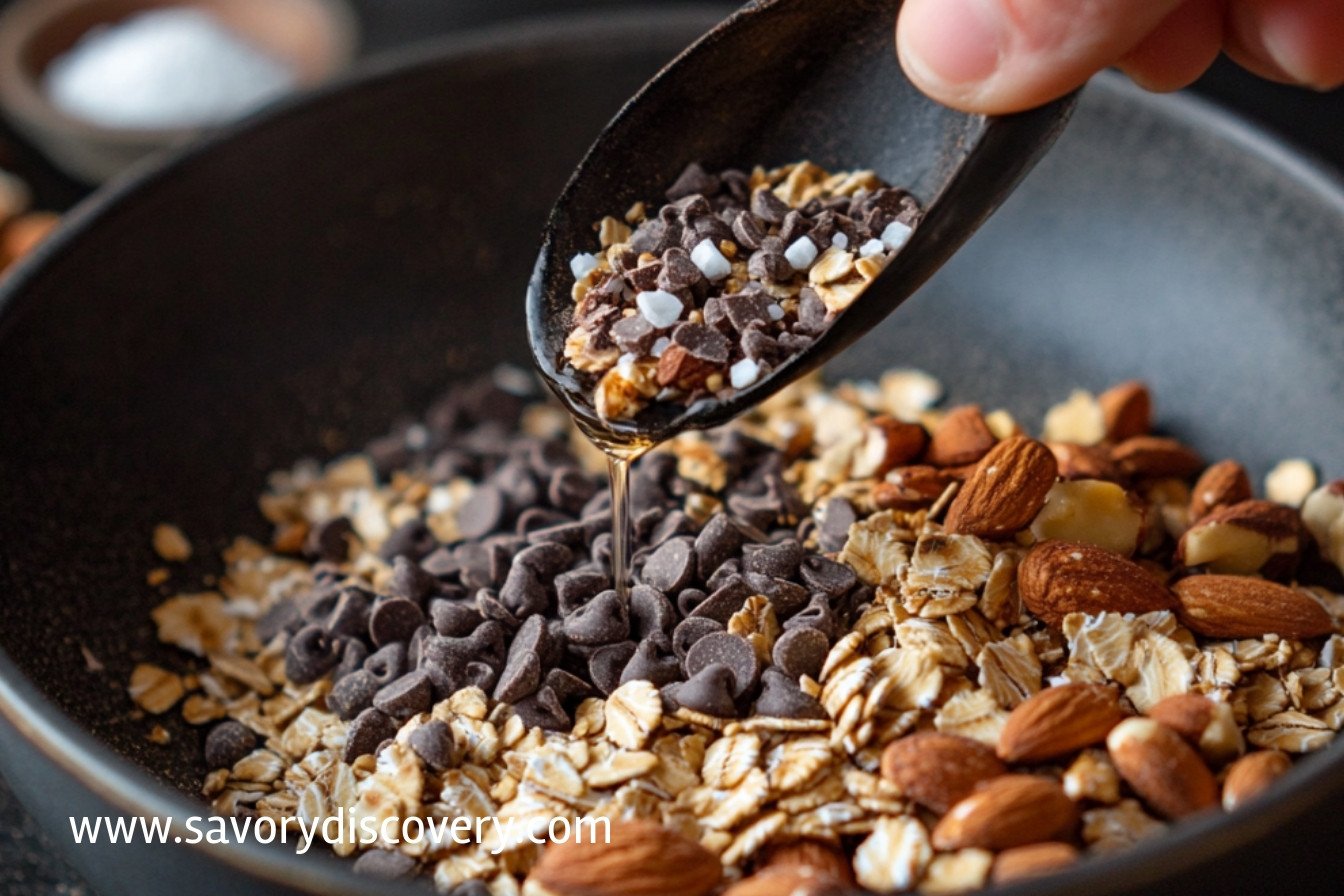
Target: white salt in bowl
x,y
314,39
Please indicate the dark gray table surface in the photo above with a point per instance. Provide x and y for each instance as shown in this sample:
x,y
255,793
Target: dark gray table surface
x,y
30,864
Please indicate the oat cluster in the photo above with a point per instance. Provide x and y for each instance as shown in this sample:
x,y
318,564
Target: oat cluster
x,y
1071,643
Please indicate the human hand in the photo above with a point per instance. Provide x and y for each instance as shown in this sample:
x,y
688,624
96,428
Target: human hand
x,y
998,56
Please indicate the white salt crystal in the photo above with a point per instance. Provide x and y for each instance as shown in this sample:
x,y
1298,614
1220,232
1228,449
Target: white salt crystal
x,y
659,307
775,312
659,346
871,248
896,235
840,241
744,373
582,265
710,260
164,68
801,253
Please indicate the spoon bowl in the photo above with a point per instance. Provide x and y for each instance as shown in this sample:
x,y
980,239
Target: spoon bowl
x,y
780,81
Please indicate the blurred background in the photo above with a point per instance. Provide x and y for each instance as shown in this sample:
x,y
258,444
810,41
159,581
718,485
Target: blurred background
x,y
89,86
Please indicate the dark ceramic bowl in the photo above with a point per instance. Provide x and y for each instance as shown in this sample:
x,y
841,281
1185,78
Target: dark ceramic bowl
x,y
293,287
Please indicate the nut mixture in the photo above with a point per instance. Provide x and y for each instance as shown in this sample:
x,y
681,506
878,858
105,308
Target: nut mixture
x,y
936,653
21,228
736,274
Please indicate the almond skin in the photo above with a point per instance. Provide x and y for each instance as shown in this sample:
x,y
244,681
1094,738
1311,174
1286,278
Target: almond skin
x,y
1127,409
1006,490
961,437
1084,461
1161,768
1152,457
1036,860
642,859
1186,714
789,881
1057,721
813,854
1057,578
1221,485
1012,810
1251,775
1244,607
937,770
910,488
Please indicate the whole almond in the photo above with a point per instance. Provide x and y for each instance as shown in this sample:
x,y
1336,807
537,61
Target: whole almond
x,y
961,437
789,881
1153,457
937,770
1127,409
1084,461
1035,860
1058,721
1247,537
910,488
1221,485
1244,607
1008,811
1186,714
887,443
1005,492
643,858
1251,775
814,854
1057,578
1161,767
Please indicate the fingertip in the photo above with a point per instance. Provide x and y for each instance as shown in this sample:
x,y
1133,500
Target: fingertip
x,y
948,48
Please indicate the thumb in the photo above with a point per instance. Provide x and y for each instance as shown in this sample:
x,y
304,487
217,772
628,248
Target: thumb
x,y
999,56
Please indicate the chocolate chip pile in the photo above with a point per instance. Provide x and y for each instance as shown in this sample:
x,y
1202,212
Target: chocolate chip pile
x,y
869,643
736,274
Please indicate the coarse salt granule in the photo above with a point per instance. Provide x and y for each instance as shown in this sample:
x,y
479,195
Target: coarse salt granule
x,y
840,241
871,248
744,373
659,307
582,265
164,68
659,346
710,260
775,311
896,235
801,253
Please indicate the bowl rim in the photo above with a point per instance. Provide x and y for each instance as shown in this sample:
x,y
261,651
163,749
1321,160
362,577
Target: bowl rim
x,y
126,787
23,98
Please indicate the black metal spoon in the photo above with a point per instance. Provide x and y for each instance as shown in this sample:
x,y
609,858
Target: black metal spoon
x,y
777,82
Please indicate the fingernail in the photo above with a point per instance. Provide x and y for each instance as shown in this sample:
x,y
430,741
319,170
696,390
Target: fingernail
x,y
953,43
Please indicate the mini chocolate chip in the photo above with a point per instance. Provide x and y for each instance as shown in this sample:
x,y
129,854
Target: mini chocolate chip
x,y
521,676
568,686
837,515
650,612
575,588
693,179
330,540
811,313
794,226
453,618
673,523
719,540
534,518
350,617
571,535
645,279
408,695
603,620
767,206
471,888
607,663
725,601
543,710
434,743
782,698
387,664
761,347
716,315
522,592
818,615
411,539
482,512
671,567
801,652
477,675
826,575
747,310
383,864
547,559
727,571
793,343
310,654
352,694
702,343
651,663
731,651
353,654
747,231
756,510
787,597
634,335
709,691
410,581
679,272
394,619
369,729
281,617
775,560
228,742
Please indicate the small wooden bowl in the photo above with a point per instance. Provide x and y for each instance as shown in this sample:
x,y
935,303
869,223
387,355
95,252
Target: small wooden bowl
x,y
316,38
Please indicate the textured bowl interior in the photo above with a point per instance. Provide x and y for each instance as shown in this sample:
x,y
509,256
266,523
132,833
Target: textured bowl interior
x,y
291,291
